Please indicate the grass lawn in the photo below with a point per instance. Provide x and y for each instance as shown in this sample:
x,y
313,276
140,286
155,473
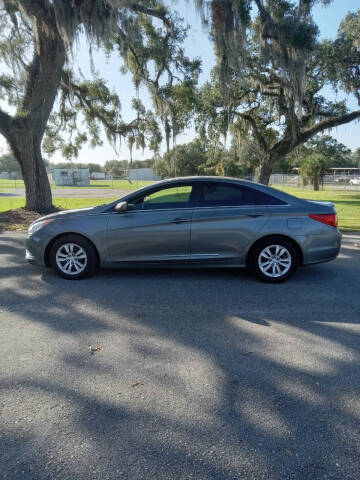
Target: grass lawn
x,y
347,204
10,203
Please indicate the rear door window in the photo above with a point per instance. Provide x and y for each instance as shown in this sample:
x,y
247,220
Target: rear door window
x,y
266,199
222,194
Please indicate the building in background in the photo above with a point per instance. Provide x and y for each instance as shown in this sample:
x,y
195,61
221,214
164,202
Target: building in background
x,y
136,174
68,177
100,176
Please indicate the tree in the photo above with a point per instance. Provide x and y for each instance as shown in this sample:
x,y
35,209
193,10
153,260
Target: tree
x,y
314,168
99,108
336,153
171,77
93,167
356,157
182,160
271,70
116,168
36,41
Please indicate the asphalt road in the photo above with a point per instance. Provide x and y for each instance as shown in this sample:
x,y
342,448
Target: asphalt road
x,y
206,375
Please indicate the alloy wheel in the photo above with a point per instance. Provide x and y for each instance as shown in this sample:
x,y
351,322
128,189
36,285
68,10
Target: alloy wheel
x,y
71,259
274,261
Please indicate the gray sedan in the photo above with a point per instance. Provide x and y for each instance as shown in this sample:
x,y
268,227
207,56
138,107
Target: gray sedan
x,y
190,222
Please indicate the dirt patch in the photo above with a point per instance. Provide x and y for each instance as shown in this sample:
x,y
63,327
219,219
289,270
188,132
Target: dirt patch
x,y
18,219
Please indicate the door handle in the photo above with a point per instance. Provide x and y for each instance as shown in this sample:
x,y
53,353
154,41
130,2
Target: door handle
x,y
180,220
255,215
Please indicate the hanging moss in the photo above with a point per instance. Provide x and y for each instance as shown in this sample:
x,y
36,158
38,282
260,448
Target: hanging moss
x,y
285,35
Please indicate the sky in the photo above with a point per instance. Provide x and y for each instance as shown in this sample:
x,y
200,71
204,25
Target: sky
x,y
199,45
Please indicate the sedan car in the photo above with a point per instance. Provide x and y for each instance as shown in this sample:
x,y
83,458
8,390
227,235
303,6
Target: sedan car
x,y
190,222
355,181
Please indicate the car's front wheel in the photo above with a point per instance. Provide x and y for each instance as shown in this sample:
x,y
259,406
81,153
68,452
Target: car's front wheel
x,y
73,257
274,259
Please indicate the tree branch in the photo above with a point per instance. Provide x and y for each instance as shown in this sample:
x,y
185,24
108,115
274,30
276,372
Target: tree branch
x,y
5,121
259,136
328,123
161,14
39,8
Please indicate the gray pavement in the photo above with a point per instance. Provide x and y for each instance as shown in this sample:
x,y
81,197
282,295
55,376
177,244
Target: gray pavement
x,y
206,375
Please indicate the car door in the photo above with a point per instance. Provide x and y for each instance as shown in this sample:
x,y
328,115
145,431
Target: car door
x,y
225,221
155,228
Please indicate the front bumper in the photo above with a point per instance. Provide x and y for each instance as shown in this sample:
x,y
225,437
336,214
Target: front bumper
x,y
34,252
30,257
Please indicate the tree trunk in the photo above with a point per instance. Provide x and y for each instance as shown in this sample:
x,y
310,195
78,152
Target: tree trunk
x,y
25,130
316,184
131,154
26,147
265,169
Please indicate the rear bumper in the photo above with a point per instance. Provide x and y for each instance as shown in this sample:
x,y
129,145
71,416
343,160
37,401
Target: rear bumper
x,y
322,247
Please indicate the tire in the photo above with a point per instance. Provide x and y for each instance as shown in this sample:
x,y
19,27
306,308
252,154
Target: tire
x,y
73,257
273,259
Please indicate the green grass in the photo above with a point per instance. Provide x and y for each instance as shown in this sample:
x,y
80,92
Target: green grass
x,y
8,184
347,204
9,203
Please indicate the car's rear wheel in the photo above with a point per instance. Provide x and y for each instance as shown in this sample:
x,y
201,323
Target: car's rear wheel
x,y
73,257
274,259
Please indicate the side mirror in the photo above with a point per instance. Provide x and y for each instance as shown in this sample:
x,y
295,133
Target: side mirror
x,y
121,207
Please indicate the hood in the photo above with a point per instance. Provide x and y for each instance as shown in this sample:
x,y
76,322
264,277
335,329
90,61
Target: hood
x,y
68,213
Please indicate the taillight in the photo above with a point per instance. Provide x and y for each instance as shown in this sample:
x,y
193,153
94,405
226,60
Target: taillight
x,y
327,218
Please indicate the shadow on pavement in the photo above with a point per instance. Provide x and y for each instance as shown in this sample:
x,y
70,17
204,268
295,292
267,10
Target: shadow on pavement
x,y
203,374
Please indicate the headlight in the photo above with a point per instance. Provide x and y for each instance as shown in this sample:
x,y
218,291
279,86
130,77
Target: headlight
x,y
34,227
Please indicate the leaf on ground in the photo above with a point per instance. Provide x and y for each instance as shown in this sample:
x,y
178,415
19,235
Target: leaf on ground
x,y
92,349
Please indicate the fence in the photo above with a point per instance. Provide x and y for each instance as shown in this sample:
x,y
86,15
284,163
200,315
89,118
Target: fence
x,y
6,184
330,182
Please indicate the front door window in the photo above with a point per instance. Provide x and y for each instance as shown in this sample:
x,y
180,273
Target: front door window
x,y
167,198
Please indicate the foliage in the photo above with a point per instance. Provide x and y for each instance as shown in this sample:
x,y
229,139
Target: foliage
x,y
195,159
270,74
36,40
119,168
314,168
155,58
99,109
182,160
356,158
115,168
221,162
336,153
